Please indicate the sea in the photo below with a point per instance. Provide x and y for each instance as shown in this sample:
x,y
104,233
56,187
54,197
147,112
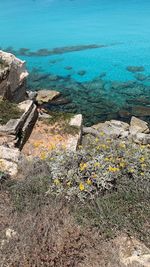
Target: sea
x,y
95,52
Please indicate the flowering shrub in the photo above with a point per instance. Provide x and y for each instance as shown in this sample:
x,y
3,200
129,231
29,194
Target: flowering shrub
x,y
96,168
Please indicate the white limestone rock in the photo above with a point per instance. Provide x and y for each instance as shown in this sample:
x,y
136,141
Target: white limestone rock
x,y
113,128
75,140
13,76
46,96
9,167
11,154
138,126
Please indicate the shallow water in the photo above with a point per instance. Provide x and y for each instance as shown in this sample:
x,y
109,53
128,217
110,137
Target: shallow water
x,y
95,80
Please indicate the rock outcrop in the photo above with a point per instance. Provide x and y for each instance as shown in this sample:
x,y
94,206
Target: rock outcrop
x,y
9,158
15,131
46,96
132,252
138,131
13,136
75,140
12,77
113,128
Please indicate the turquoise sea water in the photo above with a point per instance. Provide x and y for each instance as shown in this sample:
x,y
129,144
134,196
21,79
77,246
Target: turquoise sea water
x,y
95,80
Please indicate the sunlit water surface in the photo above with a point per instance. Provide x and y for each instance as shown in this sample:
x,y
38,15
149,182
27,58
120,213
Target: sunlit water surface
x,y
96,81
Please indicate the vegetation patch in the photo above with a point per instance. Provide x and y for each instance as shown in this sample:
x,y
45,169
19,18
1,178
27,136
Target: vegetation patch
x,y
8,111
61,122
69,206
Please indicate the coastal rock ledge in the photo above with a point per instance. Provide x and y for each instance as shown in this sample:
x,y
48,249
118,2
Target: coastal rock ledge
x,y
12,77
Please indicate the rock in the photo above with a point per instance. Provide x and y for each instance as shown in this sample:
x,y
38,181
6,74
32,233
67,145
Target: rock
x,y
135,68
53,77
46,96
12,77
13,126
9,159
120,124
43,115
10,233
76,121
31,95
27,127
73,141
68,68
141,138
60,101
138,126
81,72
113,128
142,111
9,167
132,252
16,131
11,154
124,114
140,77
102,75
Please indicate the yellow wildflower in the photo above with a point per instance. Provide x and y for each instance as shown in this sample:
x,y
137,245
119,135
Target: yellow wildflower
x,y
142,173
94,175
89,181
122,145
37,144
113,169
143,165
122,164
96,164
142,146
43,155
142,159
81,186
96,140
102,134
56,182
131,170
83,166
69,183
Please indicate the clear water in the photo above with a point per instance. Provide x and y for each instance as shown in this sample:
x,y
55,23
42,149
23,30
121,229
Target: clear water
x,y
122,26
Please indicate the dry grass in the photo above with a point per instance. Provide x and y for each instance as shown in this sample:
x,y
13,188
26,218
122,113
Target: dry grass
x,y
57,229
50,237
8,111
49,232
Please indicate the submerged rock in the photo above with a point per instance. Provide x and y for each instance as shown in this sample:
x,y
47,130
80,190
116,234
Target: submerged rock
x,y
142,111
68,68
135,68
140,77
81,72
